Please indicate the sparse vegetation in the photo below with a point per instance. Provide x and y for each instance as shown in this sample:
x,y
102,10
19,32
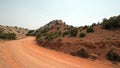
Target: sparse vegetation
x,y
47,36
8,36
44,30
12,32
68,39
58,33
50,36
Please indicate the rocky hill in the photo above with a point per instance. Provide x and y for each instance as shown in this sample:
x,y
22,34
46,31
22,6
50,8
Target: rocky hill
x,y
16,31
96,42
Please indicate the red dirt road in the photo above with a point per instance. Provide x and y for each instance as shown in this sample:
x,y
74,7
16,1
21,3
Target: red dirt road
x,y
25,53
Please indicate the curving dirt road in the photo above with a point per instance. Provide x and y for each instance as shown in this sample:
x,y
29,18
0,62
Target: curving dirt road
x,y
25,53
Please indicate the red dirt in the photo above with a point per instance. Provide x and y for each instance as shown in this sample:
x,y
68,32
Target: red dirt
x,y
97,44
25,53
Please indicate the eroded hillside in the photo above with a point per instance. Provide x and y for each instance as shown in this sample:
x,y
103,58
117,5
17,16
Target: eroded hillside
x,y
96,42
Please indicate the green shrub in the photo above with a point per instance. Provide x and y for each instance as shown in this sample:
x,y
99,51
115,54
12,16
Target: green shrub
x,y
50,36
112,22
90,29
73,32
82,52
112,55
8,36
82,35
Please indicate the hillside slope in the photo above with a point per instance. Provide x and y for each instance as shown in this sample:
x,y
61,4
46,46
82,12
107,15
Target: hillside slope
x,y
19,32
95,43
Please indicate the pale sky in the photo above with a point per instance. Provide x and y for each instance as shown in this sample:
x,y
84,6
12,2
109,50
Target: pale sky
x,y
35,13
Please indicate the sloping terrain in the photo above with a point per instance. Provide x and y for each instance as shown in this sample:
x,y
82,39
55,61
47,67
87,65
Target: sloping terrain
x,y
19,32
97,42
25,53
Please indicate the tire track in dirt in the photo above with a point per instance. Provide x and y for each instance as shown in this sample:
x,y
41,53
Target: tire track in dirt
x,y
8,58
